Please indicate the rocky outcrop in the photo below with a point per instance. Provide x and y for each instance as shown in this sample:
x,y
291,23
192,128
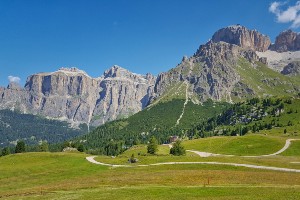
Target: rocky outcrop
x,y
292,69
210,72
287,41
122,94
243,37
70,94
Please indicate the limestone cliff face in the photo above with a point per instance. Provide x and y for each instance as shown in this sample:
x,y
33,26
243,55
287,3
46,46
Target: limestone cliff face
x,y
67,94
72,95
122,94
13,97
287,41
243,37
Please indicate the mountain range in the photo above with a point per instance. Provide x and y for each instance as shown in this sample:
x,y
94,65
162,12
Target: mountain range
x,y
236,64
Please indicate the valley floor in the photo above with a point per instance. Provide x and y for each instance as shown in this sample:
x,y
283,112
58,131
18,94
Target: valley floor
x,y
71,176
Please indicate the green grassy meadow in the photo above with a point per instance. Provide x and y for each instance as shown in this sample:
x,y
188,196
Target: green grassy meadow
x,y
71,176
248,145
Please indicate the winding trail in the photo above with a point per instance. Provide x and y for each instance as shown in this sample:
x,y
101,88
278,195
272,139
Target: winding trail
x,y
205,154
92,160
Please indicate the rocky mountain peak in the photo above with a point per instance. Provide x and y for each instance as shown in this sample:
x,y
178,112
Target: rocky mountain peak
x,y
116,71
287,41
14,86
67,71
243,37
71,71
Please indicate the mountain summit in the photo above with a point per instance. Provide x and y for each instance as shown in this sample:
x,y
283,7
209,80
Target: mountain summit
x,y
237,63
243,37
287,41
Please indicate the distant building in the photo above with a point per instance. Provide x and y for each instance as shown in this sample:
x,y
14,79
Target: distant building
x,y
173,138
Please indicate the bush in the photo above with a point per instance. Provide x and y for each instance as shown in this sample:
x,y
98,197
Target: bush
x,y
5,151
80,148
44,147
20,148
177,149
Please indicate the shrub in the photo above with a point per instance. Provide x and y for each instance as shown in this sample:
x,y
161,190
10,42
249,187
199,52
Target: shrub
x,y
132,159
20,148
5,151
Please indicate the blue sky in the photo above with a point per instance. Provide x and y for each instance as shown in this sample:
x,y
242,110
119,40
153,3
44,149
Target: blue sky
x,y
140,35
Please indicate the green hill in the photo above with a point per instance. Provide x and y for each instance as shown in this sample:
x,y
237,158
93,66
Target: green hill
x,y
159,120
264,82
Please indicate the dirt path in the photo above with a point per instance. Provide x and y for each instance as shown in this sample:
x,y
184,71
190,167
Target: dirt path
x,y
285,147
92,160
186,101
206,154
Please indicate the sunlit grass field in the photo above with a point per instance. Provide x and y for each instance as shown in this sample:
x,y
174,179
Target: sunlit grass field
x,y
248,145
71,176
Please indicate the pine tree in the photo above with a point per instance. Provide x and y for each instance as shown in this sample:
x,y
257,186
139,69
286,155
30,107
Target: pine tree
x,y
177,149
152,146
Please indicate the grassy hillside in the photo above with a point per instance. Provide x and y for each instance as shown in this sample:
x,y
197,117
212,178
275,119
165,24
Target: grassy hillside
x,y
293,150
265,81
247,145
276,116
70,176
32,129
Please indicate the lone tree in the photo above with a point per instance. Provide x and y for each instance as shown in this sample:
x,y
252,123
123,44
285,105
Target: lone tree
x,y
152,146
177,149
20,148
